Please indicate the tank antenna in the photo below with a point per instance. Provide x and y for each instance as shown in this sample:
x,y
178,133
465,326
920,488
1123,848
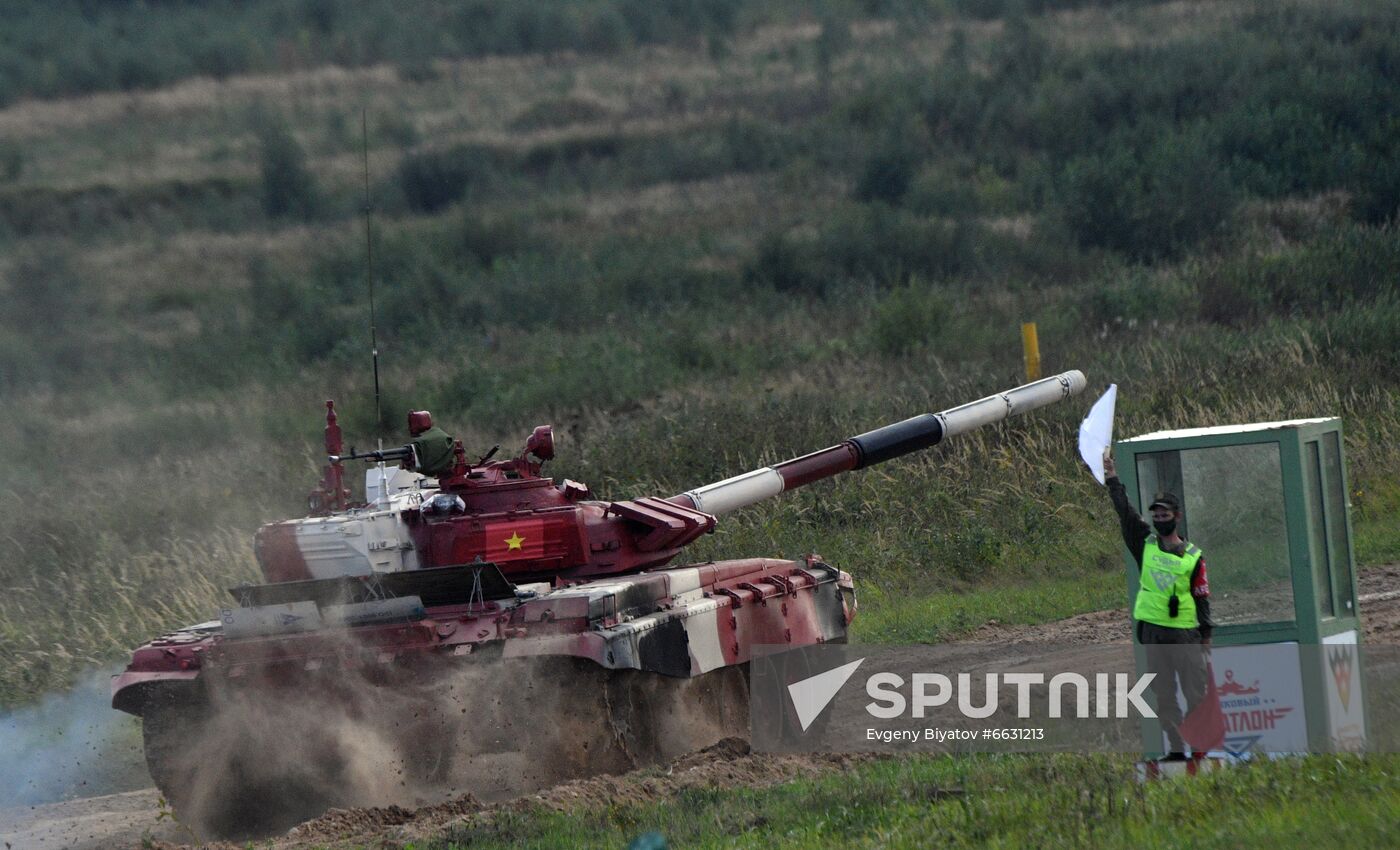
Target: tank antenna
x,y
373,332
369,274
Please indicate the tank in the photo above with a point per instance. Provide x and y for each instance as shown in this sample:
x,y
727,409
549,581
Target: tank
x,y
478,626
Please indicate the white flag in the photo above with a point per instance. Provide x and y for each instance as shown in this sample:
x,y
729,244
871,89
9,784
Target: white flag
x,y
1096,432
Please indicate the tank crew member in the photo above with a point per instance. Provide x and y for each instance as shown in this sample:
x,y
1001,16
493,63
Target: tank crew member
x,y
432,446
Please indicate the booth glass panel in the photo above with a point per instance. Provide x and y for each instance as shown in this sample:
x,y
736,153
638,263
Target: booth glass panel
x,y
1337,520
1234,510
1317,529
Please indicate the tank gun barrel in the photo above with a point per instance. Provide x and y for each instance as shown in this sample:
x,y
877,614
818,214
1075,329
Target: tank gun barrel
x,y
878,446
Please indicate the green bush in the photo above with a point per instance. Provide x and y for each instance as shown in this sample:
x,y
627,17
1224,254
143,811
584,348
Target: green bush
x,y
909,317
301,320
938,190
785,263
274,296
1376,185
11,161
605,31
834,40
1285,148
83,47
1127,298
396,129
1377,198
288,188
433,179
222,55
483,240
1368,330
1345,265
1233,292
46,303
886,245
1148,200
682,21
887,174
863,244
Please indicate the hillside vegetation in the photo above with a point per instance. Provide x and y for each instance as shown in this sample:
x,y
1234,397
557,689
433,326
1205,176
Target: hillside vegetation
x,y
697,237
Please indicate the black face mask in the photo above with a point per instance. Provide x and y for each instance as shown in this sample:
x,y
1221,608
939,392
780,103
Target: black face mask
x,y
1164,526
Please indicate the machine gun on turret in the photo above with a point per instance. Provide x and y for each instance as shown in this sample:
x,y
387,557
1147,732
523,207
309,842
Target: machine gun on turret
x,y
431,451
400,454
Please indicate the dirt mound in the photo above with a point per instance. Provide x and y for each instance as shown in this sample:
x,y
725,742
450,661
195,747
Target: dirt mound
x,y
1095,627
728,764
338,824
1379,601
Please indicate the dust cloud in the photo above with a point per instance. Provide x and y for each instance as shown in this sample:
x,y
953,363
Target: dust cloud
x,y
256,760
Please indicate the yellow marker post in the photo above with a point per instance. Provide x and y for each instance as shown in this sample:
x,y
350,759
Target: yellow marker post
x,y
1030,343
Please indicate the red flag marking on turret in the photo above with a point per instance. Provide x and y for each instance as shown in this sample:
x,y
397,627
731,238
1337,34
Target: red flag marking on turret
x,y
513,541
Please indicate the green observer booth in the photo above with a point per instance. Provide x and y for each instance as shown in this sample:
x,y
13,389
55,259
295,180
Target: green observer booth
x,y
1267,504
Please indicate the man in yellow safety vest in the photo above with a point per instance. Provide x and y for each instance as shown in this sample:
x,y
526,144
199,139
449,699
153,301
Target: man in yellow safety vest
x,y
1172,606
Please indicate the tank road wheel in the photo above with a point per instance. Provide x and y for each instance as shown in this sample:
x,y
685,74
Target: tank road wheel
x,y
655,718
562,718
169,731
216,777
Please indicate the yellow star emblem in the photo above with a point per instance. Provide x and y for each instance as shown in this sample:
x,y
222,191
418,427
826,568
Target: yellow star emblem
x,y
514,541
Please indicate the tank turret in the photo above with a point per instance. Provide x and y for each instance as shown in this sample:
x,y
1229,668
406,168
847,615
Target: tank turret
x,y
438,510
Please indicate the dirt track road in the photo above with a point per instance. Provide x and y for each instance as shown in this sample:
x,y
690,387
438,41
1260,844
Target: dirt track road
x,y
125,820
114,820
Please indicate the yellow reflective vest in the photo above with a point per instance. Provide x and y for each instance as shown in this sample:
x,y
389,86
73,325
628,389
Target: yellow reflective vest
x,y
1163,576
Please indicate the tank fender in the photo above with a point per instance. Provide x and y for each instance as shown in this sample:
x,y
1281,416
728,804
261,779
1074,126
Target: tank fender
x,y
715,616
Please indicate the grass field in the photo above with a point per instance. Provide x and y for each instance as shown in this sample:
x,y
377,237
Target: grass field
x,y
990,801
696,238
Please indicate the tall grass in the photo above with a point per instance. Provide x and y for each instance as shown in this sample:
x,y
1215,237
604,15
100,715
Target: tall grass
x,y
82,598
691,278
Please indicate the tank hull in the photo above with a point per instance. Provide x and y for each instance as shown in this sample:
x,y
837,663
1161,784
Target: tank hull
x,y
679,622
253,724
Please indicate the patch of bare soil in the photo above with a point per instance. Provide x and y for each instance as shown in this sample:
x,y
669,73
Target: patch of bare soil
x,y
1095,627
89,823
727,764
1379,602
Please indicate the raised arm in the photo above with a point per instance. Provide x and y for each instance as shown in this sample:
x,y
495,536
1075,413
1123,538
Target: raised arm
x,y
1135,528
